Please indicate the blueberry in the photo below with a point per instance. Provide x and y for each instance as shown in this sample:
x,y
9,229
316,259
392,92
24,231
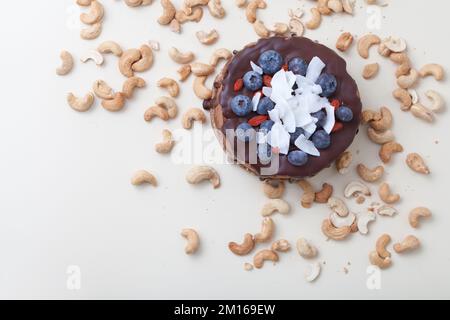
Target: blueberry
x,y
241,105
253,81
321,139
245,132
345,114
265,105
297,158
328,83
266,126
296,134
264,153
321,116
298,66
270,61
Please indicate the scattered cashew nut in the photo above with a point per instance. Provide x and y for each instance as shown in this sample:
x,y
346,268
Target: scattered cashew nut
x,y
385,194
275,205
67,64
199,174
171,85
180,57
167,145
365,42
388,149
193,114
264,255
408,244
417,164
207,38
200,90
355,188
433,69
436,99
338,206
193,240
333,232
80,104
281,245
308,194
267,229
324,195
245,247
273,189
416,214
364,220
143,176
305,249
343,162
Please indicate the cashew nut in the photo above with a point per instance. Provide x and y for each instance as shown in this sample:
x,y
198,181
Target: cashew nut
x,y
383,50
92,32
279,29
344,41
395,44
370,115
196,15
156,111
252,6
380,137
80,104
264,255
207,37
248,266
193,114
417,164
245,247
335,6
241,3
200,90
306,249
388,149
169,104
438,102
116,103
385,122
348,6
215,9
313,271
167,145
408,244
94,56
168,12
340,222
184,72
275,205
103,90
378,261
260,29
409,80
84,3
370,71
199,174
365,43
281,245
193,240
179,57
433,69
146,60
316,19
171,85
131,84
387,211
343,162
201,69
175,26
220,54
142,176
421,112
267,229
337,205
385,194
381,244
370,175
67,63
296,27
355,188
189,4
110,47
334,233
94,15
126,61
416,214
324,195
273,189
364,220
404,97
308,193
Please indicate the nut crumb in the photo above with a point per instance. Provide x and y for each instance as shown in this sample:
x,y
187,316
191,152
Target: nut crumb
x,y
248,266
360,200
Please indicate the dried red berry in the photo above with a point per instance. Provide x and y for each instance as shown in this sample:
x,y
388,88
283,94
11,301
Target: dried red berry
x,y
335,103
267,80
337,126
256,121
259,91
238,85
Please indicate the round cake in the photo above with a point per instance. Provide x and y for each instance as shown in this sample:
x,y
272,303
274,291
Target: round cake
x,y
285,107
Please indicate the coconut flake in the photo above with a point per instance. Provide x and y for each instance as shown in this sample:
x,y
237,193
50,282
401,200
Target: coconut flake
x,y
256,68
330,120
306,146
255,100
315,69
279,138
267,91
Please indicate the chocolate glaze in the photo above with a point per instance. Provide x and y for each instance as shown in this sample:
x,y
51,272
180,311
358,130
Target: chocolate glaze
x,y
347,92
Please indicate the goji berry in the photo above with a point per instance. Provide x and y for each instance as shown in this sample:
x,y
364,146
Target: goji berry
x,y
337,126
335,103
238,84
267,80
257,120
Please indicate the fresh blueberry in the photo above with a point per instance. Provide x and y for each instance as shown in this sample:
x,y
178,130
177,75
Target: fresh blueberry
x,y
266,126
253,81
321,117
297,158
296,134
298,66
265,105
270,61
245,132
321,139
241,105
328,83
264,153
345,114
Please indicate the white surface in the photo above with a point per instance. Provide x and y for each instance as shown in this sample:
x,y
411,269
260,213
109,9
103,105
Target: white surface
x,y
65,196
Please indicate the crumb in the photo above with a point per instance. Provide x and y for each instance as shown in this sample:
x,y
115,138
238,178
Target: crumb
x,y
360,200
436,142
248,266
349,263
345,270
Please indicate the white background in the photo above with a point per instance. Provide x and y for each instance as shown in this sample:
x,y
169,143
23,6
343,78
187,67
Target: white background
x,y
66,199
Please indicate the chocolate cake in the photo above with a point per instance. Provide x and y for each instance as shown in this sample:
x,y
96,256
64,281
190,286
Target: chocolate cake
x,y
285,107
